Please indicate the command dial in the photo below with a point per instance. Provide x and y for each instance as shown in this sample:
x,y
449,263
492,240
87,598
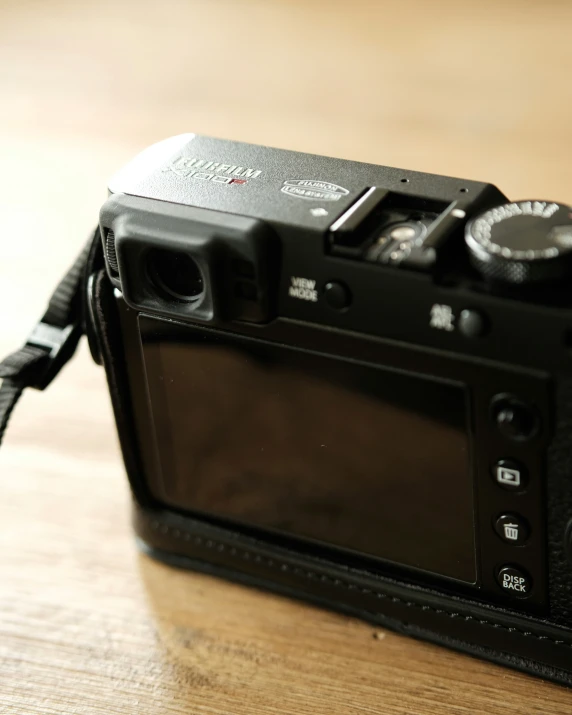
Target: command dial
x,y
522,242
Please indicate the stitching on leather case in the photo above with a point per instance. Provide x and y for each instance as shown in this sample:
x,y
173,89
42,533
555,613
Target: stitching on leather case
x,y
313,575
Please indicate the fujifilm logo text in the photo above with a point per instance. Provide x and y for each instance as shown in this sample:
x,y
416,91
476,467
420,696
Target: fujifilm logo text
x,y
214,171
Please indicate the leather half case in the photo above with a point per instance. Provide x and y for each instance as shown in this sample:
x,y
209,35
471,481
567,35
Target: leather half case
x,y
534,645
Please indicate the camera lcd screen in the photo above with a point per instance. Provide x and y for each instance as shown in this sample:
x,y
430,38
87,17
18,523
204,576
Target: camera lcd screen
x,y
342,453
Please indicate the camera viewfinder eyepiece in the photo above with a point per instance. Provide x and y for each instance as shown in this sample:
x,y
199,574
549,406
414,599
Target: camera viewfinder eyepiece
x,y
175,274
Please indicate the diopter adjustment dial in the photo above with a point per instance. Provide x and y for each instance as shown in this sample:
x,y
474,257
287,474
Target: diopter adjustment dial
x,y
522,242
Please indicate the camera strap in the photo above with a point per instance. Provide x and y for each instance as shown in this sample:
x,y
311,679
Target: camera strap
x,y
52,342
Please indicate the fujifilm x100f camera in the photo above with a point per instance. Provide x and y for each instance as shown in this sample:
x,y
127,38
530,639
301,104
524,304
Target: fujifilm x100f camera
x,y
347,383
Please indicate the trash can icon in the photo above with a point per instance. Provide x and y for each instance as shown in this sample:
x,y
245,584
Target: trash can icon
x,y
511,532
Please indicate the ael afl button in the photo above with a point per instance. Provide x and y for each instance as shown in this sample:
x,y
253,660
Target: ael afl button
x,y
514,582
473,323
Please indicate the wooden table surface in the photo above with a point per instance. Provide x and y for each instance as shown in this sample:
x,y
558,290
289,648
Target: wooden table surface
x,y
88,625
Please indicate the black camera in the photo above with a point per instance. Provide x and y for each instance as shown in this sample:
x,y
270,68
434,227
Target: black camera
x,y
347,383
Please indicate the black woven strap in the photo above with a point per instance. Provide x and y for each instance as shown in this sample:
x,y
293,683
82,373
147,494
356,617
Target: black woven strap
x,y
65,304
51,344
9,395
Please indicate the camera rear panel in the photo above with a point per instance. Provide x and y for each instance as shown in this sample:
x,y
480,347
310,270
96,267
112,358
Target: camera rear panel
x,y
370,453
347,286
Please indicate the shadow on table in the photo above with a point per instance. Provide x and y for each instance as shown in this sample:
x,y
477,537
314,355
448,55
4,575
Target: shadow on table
x,y
219,635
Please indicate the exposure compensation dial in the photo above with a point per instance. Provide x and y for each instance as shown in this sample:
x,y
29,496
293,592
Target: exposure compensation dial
x,y
522,242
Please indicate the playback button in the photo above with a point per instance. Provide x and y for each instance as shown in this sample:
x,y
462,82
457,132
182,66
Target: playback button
x,y
510,474
514,582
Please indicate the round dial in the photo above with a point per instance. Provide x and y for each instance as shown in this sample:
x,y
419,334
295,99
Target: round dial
x,y
522,242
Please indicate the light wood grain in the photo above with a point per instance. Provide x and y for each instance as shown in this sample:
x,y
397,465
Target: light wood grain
x,y
480,90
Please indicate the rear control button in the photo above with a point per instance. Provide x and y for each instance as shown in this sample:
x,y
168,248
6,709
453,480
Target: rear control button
x,y
512,528
514,419
510,474
514,582
472,323
337,295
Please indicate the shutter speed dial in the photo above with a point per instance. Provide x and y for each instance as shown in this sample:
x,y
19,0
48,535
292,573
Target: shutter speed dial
x,y
523,242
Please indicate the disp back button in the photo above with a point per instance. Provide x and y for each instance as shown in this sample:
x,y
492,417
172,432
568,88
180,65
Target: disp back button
x,y
514,582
